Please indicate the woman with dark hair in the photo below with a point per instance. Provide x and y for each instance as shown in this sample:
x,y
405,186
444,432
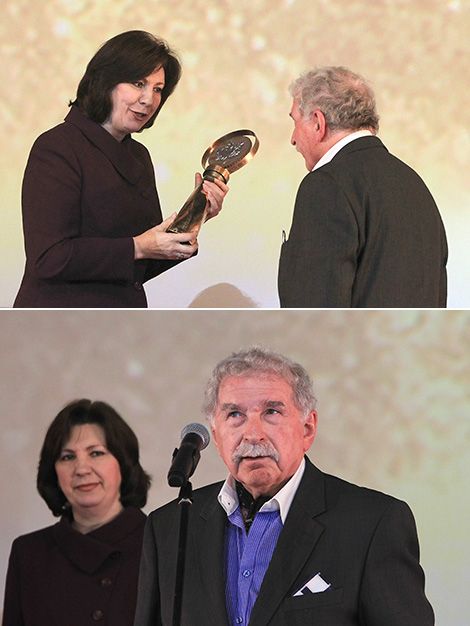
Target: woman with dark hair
x,y
85,567
92,221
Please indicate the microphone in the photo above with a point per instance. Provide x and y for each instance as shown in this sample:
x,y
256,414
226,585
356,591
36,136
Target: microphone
x,y
194,438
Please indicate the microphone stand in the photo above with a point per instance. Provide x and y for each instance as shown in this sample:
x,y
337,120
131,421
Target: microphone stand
x,y
185,502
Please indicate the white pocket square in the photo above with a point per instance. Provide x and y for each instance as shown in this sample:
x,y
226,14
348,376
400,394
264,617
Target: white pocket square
x,y
316,584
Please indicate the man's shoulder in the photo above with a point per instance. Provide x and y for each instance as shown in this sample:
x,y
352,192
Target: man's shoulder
x,y
342,494
355,492
364,153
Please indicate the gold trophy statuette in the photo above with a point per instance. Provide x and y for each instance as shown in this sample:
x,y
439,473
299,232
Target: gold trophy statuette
x,y
226,155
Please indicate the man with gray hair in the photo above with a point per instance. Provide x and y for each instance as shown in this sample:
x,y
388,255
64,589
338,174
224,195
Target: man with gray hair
x,y
366,231
280,543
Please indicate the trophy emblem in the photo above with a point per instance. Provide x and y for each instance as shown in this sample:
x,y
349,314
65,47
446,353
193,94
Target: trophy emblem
x,y
225,156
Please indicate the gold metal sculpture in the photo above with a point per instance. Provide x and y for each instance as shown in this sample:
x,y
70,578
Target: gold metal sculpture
x,y
225,156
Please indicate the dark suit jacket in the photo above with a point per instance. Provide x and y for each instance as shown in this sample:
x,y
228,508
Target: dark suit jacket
x,y
57,576
361,541
85,195
366,232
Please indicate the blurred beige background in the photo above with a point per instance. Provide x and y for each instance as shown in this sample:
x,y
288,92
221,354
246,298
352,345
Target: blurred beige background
x,y
238,59
393,394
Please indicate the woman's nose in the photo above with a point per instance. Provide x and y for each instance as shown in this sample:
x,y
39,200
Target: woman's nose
x,y
82,466
149,97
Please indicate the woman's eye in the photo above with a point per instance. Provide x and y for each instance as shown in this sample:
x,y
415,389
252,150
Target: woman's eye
x,y
97,453
139,83
66,457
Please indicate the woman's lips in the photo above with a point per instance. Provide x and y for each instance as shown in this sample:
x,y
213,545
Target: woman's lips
x,y
139,116
87,487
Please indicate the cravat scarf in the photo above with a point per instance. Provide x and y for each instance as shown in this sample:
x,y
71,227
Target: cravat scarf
x,y
250,505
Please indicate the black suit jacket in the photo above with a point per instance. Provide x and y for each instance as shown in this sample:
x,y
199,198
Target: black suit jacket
x,y
366,232
85,195
361,541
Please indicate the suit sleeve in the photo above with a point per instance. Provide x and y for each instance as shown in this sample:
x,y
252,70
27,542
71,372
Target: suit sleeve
x,y
392,590
318,261
52,188
12,612
148,595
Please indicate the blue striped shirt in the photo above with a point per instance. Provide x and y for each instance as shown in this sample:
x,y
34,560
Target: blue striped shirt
x,y
246,560
247,557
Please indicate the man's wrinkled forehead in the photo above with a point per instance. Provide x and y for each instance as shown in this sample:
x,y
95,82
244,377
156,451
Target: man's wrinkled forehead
x,y
267,376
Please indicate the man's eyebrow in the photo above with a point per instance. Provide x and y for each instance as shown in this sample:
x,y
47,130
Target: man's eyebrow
x,y
230,406
269,404
273,404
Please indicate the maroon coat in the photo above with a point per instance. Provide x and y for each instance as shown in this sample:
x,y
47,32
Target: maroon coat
x,y
57,576
85,195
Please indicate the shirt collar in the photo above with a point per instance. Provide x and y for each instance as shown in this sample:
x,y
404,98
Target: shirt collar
x,y
333,151
282,501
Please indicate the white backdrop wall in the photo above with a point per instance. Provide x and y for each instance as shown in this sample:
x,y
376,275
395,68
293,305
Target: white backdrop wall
x,y
238,59
393,394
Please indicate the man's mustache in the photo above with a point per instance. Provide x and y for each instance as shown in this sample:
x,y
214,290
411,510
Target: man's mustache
x,y
254,450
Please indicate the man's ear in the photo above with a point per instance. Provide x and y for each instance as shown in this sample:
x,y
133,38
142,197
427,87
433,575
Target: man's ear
x,y
310,429
214,436
319,124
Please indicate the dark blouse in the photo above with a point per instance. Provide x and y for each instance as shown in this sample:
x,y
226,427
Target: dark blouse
x,y
60,577
85,195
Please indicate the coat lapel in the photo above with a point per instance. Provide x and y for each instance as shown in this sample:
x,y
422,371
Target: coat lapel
x,y
295,545
209,548
117,152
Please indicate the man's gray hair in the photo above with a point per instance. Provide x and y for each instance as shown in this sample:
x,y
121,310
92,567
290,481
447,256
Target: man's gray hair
x,y
346,99
259,360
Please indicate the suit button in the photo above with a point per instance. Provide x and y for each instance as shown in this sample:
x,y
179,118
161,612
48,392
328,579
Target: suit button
x,y
137,285
97,615
106,582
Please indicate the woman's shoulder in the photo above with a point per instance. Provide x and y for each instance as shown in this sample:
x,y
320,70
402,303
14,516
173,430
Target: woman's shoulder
x,y
34,538
56,138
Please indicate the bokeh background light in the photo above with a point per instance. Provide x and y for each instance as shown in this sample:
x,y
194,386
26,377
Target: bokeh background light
x,y
238,59
393,393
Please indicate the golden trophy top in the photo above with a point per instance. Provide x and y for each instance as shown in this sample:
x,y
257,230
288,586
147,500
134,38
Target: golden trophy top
x,y
229,153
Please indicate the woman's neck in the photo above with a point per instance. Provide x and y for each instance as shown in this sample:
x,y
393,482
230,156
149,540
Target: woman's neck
x,y
86,522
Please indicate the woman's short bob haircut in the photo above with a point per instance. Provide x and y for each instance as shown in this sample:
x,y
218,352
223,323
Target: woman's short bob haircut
x,y
126,58
120,441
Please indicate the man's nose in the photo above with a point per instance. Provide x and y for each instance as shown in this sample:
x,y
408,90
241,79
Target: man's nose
x,y
254,430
